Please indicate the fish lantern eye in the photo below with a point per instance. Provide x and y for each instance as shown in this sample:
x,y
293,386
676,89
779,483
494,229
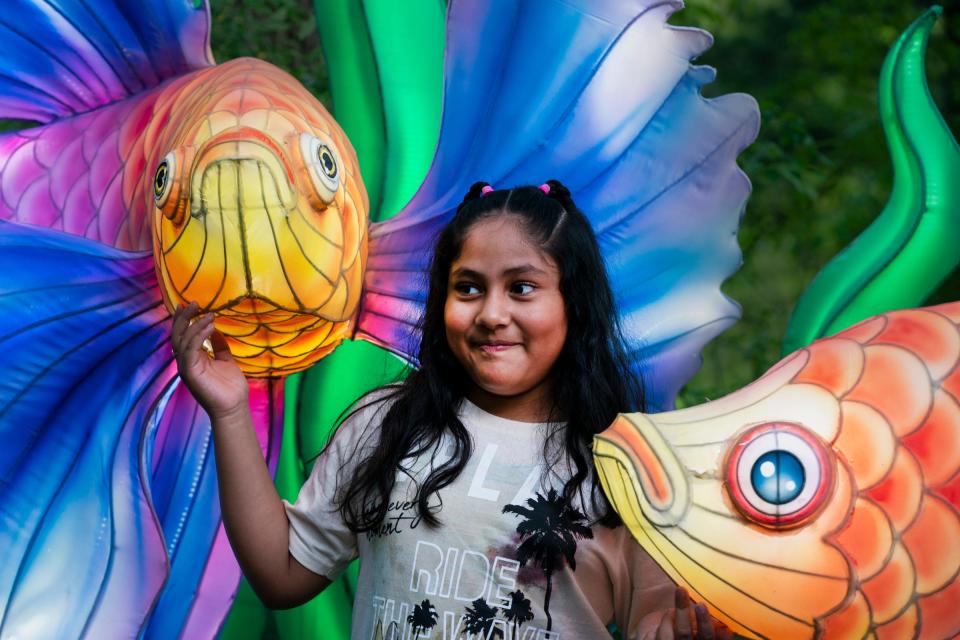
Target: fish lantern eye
x,y
322,166
779,474
163,180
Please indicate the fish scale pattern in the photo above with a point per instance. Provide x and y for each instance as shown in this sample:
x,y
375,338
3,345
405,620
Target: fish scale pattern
x,y
81,175
897,380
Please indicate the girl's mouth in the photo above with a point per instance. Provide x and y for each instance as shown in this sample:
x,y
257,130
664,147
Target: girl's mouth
x,y
494,346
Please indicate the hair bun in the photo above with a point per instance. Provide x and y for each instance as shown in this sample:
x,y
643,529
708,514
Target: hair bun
x,y
560,193
475,191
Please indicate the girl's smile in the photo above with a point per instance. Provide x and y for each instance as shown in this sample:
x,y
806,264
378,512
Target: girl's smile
x,y
505,318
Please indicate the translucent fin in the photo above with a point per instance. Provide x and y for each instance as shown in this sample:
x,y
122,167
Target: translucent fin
x,y
204,574
86,364
613,109
64,57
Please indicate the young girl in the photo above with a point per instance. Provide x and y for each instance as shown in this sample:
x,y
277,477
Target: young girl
x,y
467,490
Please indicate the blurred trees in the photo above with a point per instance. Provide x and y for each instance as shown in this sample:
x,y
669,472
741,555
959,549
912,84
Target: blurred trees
x,y
820,167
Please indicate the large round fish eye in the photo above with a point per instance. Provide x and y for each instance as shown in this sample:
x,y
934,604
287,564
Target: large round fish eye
x,y
322,165
778,474
163,180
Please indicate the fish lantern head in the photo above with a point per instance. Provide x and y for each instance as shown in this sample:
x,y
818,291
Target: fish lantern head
x,y
260,216
807,503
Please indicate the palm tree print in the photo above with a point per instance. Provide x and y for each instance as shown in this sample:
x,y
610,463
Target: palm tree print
x,y
424,617
518,612
549,532
480,619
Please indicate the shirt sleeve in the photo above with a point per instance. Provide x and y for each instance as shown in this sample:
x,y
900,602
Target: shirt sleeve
x,y
650,588
319,538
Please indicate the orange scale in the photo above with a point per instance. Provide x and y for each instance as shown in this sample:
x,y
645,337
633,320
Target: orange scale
x,y
252,306
298,322
260,366
896,383
280,103
233,327
243,351
866,539
933,541
950,310
221,120
865,330
951,384
866,441
936,444
940,613
950,491
890,591
834,364
900,493
851,621
253,99
262,338
932,337
277,315
903,626
300,346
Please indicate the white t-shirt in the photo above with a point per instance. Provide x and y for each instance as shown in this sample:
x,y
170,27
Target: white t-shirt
x,y
505,540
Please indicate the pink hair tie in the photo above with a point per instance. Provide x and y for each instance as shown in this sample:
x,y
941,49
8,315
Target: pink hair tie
x,y
545,188
485,190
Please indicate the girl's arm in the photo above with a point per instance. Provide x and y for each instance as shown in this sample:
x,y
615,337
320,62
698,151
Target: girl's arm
x,y
253,515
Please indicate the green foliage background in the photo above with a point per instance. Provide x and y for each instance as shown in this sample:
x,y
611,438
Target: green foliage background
x,y
820,168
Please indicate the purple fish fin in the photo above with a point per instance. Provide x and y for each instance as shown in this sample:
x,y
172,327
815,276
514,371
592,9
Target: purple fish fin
x,y
613,109
204,574
65,57
80,174
84,342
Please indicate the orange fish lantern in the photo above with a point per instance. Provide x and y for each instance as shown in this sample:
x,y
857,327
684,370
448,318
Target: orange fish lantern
x,y
254,178
823,500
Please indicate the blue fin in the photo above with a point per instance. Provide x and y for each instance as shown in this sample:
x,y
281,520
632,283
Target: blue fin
x,y
204,574
86,364
612,108
63,57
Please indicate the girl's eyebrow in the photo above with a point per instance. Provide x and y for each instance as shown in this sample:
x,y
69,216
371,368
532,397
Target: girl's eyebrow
x,y
523,269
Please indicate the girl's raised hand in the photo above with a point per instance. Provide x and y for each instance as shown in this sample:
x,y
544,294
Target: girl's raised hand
x,y
683,622
216,382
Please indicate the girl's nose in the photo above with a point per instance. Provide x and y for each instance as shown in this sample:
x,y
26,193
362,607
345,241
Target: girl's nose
x,y
494,312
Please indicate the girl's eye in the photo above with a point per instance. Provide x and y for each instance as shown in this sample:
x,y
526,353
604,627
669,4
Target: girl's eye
x,y
466,289
522,288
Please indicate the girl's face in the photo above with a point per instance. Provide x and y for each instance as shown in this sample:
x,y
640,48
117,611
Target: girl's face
x,y
505,318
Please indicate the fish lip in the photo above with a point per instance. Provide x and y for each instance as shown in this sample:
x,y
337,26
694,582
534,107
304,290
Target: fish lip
x,y
246,134
634,448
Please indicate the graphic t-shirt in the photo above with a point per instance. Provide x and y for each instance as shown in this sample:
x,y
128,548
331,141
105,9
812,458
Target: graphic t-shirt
x,y
510,560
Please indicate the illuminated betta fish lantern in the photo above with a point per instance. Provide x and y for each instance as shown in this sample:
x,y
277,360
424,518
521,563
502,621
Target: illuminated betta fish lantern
x,y
259,214
823,500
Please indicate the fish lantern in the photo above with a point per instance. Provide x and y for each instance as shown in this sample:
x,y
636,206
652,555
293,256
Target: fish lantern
x,y
251,178
823,500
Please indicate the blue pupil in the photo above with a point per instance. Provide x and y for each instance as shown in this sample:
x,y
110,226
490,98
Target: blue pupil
x,y
777,476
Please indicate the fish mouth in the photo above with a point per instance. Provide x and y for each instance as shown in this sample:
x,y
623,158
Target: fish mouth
x,y
632,453
238,175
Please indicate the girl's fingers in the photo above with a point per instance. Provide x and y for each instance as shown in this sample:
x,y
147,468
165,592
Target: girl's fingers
x,y
221,350
704,623
682,626
181,320
194,335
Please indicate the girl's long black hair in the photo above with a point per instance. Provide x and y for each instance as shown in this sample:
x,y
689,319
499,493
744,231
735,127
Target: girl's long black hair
x,y
591,381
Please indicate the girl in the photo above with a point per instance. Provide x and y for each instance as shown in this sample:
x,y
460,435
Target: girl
x,y
467,489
